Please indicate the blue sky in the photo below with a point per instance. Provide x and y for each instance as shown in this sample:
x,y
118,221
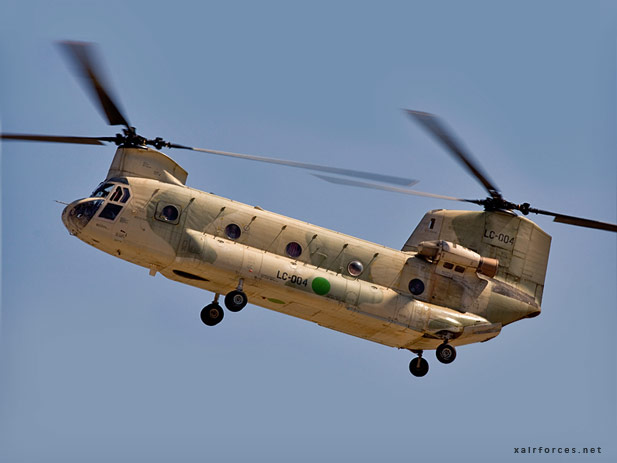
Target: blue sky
x,y
100,362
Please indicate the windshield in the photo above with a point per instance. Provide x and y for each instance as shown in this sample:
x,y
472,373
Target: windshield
x,y
81,214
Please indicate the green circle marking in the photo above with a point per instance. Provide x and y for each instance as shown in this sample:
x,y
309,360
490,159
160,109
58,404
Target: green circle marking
x,y
321,286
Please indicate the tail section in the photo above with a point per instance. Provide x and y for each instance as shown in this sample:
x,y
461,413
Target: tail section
x,y
520,246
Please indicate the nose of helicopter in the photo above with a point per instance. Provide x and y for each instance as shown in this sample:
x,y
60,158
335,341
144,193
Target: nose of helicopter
x,y
68,221
76,215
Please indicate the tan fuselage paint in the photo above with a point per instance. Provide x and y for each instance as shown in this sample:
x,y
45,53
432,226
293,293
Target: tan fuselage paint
x,y
377,305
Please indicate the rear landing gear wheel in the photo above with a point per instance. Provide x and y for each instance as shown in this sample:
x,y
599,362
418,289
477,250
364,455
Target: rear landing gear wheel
x,y
418,366
236,300
446,353
212,314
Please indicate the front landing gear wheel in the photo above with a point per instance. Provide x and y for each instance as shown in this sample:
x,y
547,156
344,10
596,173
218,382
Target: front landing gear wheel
x,y
418,366
212,314
236,300
446,353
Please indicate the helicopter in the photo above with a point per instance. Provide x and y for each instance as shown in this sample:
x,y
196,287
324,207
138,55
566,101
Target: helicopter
x,y
459,278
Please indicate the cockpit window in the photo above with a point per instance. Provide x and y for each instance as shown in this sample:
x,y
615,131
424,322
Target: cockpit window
x,y
126,194
110,211
81,214
113,192
116,195
102,190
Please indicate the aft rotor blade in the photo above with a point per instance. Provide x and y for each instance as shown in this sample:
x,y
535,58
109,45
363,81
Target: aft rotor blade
x,y
303,165
376,186
84,56
578,221
56,138
443,135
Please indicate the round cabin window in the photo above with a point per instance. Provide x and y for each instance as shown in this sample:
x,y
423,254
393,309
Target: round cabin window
x,y
233,231
355,268
416,287
170,213
293,249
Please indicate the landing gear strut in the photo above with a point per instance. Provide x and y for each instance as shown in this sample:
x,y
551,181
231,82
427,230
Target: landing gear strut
x,y
212,314
446,353
418,366
236,300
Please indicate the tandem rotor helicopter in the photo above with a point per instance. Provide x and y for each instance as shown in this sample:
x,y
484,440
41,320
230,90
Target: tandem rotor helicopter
x,y
459,279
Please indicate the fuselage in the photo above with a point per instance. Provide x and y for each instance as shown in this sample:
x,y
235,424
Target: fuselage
x,y
396,298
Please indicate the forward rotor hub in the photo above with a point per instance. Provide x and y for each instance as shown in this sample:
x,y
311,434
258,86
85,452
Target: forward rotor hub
x,y
131,138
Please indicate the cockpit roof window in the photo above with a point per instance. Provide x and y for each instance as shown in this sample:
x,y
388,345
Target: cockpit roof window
x,y
102,190
121,194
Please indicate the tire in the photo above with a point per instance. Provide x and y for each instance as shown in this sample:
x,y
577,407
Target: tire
x,y
446,353
418,367
236,300
212,314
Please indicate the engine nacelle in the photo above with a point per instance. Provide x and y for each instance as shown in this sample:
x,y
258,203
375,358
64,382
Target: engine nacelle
x,y
458,255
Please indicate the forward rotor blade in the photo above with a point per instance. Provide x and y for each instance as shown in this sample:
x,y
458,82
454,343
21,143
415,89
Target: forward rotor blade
x,y
84,56
303,165
376,186
56,138
577,221
432,123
